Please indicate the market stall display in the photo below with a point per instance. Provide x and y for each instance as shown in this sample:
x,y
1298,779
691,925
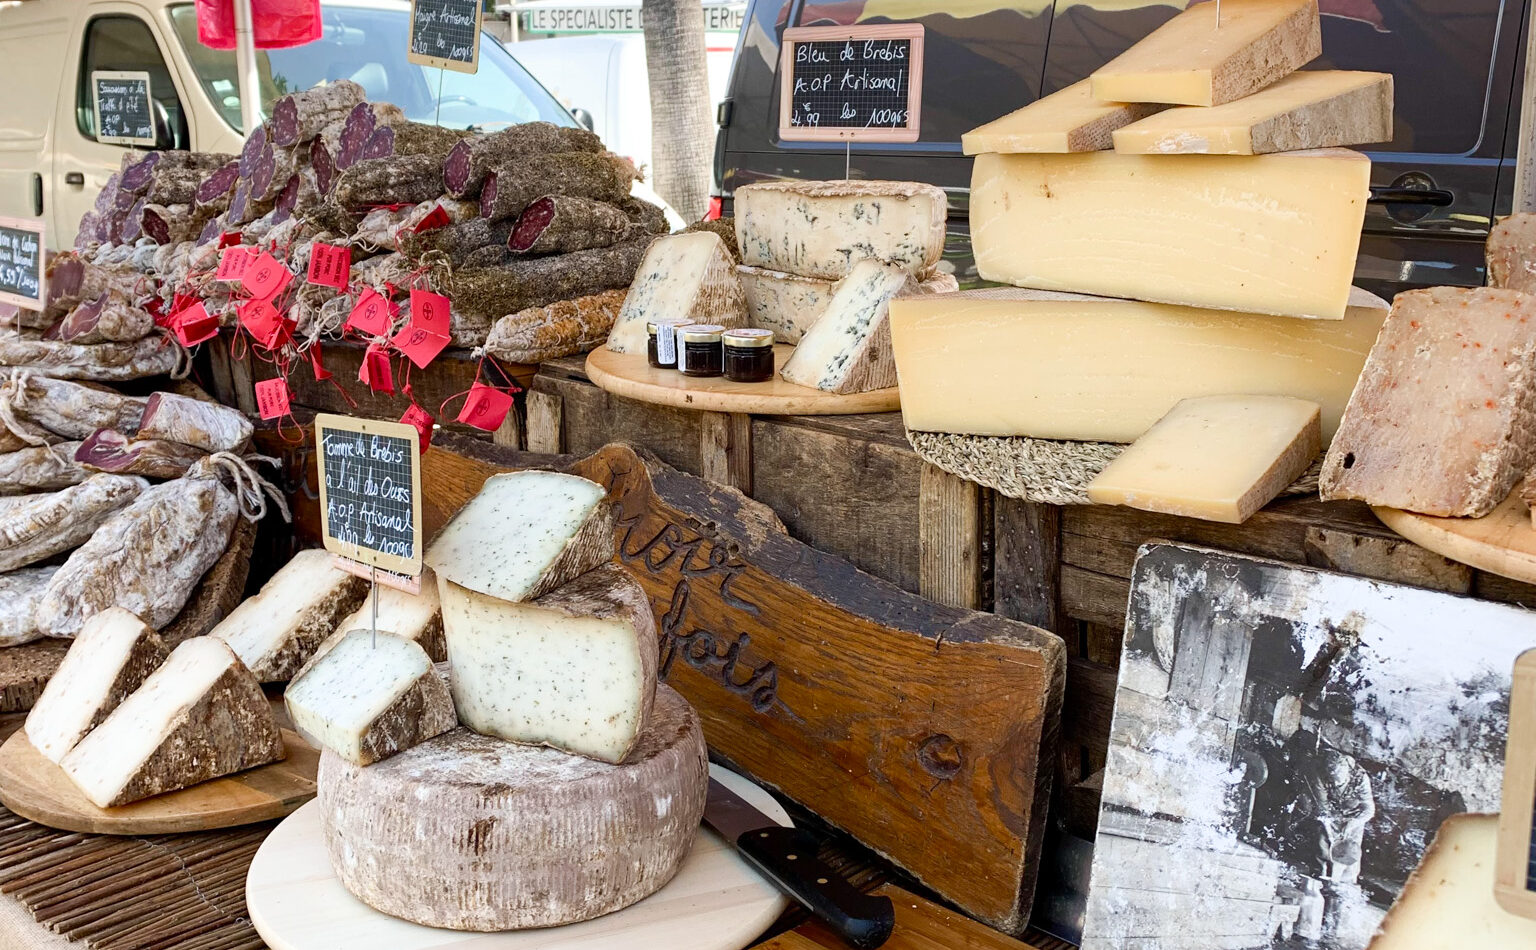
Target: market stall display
x,y
276,632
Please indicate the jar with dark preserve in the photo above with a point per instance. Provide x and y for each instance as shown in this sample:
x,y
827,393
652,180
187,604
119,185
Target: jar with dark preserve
x,y
748,355
661,342
699,351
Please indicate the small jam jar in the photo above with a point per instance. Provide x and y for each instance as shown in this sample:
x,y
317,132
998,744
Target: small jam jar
x,y
661,342
748,355
699,350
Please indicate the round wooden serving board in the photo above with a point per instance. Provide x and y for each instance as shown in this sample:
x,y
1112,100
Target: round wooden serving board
x,y
1501,542
630,375
36,788
716,901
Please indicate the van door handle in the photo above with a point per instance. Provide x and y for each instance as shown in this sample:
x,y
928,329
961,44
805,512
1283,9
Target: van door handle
x,y
37,194
1436,197
75,178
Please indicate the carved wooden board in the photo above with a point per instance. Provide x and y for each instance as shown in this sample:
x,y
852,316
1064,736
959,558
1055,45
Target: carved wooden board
x,y
924,731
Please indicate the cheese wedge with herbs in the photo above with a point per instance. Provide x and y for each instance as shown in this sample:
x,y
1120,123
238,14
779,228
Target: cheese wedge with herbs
x,y
1068,120
276,632
417,617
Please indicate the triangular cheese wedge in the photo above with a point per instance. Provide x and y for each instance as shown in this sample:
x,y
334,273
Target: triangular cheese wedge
x,y
690,276
1068,120
277,631
417,617
848,350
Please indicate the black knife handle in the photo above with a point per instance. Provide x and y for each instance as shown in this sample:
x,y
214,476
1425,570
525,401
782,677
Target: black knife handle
x,y
788,857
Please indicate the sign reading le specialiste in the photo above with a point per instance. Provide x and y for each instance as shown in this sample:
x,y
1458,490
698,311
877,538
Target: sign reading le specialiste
x,y
852,83
370,491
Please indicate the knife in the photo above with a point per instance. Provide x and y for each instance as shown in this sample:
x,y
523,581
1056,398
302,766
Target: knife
x,y
787,856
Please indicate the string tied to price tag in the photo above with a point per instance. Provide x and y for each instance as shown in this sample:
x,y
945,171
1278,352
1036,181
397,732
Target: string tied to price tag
x,y
485,406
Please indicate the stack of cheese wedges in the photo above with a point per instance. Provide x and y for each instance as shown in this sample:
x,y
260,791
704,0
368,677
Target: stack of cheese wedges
x,y
127,720
541,776
1196,185
820,263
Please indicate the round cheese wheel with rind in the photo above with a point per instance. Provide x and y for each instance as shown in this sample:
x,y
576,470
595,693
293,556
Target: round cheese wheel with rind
x,y
470,832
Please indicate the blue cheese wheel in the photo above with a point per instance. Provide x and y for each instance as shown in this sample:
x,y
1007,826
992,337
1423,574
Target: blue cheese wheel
x,y
471,832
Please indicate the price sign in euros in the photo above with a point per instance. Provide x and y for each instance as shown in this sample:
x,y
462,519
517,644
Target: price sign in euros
x,y
852,84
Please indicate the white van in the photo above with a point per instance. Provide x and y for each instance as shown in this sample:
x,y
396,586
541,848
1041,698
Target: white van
x,y
52,167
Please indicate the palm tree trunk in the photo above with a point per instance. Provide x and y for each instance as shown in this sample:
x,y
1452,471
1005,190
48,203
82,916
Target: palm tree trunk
x,y
682,130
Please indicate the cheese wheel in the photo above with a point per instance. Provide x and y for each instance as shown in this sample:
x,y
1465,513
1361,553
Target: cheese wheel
x,y
472,832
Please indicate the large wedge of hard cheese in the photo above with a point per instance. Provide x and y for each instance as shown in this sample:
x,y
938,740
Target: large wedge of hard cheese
x,y
823,228
1069,120
1258,233
574,670
1316,109
199,716
1448,903
276,632
470,832
1219,458
369,697
1197,60
524,535
1511,253
113,654
690,275
789,305
416,617
848,349
1065,366
1443,420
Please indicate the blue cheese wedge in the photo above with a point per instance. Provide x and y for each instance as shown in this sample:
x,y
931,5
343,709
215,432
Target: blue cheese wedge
x,y
848,350
788,305
525,534
690,276
369,697
113,654
277,631
574,670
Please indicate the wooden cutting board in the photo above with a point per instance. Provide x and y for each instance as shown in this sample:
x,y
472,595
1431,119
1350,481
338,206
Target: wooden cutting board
x,y
36,788
1501,542
716,901
632,376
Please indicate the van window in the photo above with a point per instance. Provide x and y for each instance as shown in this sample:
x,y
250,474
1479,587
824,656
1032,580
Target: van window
x,y
121,42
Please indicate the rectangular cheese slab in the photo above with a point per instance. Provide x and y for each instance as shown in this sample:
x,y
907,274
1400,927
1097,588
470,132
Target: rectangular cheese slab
x,y
1064,366
1448,903
1258,233
690,275
823,228
849,348
1197,60
1443,420
1218,458
1068,120
1511,252
276,632
1309,109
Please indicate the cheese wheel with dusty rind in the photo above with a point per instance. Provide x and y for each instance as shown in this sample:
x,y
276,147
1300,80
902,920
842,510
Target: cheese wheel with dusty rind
x,y
470,832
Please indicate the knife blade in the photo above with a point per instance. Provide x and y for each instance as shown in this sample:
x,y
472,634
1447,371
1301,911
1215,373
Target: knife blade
x,y
787,857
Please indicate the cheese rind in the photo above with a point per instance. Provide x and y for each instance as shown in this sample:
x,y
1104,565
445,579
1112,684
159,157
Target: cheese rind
x,y
823,228
1008,362
690,275
515,836
1068,120
416,617
1443,419
275,632
848,349
789,305
1218,458
199,716
369,697
1511,252
114,653
1196,60
1261,234
1448,902
1305,110
574,670
524,535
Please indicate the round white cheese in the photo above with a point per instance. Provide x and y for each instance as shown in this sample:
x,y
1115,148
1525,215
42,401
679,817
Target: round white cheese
x,y
472,832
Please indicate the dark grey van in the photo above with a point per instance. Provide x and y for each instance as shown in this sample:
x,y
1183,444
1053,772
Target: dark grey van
x,y
1448,172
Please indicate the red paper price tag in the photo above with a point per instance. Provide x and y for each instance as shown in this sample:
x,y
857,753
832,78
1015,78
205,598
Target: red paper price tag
x,y
317,364
422,420
431,312
265,278
371,315
229,239
272,398
436,218
376,374
233,263
265,323
419,346
485,408
329,265
194,325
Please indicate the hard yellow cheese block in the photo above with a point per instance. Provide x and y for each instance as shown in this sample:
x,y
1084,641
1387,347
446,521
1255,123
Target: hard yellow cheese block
x,y
1193,60
1259,233
1219,458
1012,362
1304,110
1070,120
1448,903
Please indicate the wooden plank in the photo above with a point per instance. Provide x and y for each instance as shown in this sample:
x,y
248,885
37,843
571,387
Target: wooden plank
x,y
1026,570
1525,148
545,422
725,449
509,435
1088,708
922,730
949,535
593,418
1385,559
920,925
242,385
883,427
1080,805
1094,597
1101,643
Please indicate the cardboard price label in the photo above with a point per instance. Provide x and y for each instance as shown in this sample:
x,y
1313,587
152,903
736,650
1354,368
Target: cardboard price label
x,y
265,278
317,364
233,263
436,218
432,312
194,325
371,315
485,408
229,239
375,372
265,323
419,345
422,421
329,265
272,398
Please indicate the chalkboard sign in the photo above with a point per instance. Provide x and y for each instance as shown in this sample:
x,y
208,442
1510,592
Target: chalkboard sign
x,y
125,113
445,34
1515,869
21,262
851,83
370,491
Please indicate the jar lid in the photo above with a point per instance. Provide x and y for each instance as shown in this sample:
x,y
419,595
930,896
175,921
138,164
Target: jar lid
x,y
700,333
748,336
652,326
